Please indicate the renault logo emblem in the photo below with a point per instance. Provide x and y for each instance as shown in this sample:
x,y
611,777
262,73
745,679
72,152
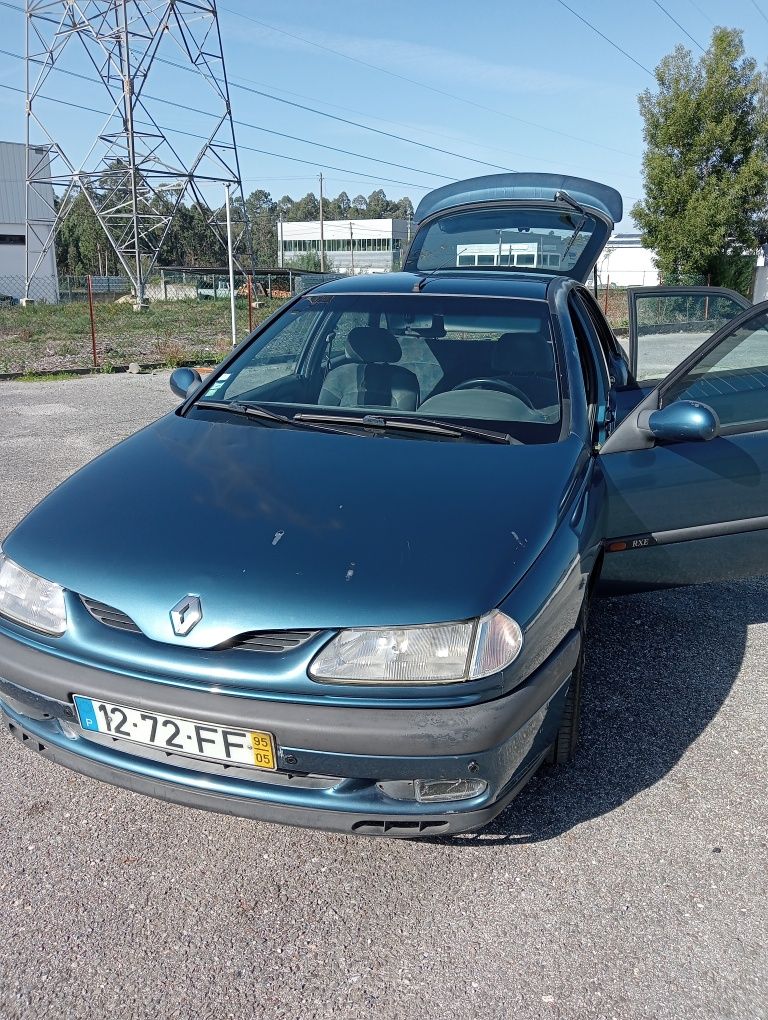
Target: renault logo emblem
x,y
186,614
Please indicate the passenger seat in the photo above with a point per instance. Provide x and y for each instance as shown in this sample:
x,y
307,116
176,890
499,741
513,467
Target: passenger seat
x,y
526,360
372,379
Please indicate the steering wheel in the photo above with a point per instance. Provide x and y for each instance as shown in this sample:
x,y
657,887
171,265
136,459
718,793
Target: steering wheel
x,y
484,383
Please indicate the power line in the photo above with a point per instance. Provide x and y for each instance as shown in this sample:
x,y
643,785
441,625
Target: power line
x,y
423,85
701,12
384,120
676,22
605,37
368,127
759,10
256,127
249,148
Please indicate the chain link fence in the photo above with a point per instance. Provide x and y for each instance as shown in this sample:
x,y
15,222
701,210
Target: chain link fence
x,y
81,323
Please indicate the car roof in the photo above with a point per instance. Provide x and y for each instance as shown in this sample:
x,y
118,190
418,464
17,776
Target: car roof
x,y
461,282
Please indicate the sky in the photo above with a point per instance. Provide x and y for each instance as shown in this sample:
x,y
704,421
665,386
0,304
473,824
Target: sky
x,y
482,88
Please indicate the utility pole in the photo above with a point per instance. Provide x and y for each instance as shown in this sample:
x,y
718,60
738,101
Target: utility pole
x,y
280,240
322,235
231,261
351,250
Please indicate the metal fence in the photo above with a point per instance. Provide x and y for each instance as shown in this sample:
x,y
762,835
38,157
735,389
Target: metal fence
x,y
86,323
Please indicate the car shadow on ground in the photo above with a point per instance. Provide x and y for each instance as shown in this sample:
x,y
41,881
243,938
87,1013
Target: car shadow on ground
x,y
659,667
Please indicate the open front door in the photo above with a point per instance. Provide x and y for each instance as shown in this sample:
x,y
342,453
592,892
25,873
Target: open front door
x,y
667,323
683,510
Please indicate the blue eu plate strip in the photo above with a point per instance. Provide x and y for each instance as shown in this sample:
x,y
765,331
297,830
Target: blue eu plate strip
x,y
86,712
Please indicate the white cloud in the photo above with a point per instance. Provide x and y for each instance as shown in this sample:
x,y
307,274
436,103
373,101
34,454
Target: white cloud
x,y
451,70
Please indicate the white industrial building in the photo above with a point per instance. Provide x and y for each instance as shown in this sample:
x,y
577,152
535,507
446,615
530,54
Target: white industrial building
x,y
351,246
13,239
626,263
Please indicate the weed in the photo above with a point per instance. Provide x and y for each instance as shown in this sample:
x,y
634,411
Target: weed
x,y
47,376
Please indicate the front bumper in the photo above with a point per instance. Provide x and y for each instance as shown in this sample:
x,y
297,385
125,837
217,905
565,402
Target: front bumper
x,y
330,758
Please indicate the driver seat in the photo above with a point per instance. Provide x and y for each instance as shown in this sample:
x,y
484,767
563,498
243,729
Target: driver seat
x,y
371,379
526,360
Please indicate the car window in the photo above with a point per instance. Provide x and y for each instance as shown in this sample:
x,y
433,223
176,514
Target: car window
x,y
670,327
503,237
343,327
476,358
732,378
608,342
281,348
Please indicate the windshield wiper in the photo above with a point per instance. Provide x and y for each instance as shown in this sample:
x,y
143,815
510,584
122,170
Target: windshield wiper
x,y
428,425
563,196
249,410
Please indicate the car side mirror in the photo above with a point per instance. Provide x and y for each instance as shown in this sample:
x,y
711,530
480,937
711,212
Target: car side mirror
x,y
184,380
682,421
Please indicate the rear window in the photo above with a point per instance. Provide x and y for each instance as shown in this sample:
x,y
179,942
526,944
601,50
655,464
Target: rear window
x,y
503,238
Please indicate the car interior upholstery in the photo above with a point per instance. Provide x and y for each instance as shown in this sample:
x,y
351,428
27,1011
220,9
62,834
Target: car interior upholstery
x,y
370,377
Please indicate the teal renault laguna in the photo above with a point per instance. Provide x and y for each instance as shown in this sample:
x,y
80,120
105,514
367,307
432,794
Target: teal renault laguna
x,y
345,584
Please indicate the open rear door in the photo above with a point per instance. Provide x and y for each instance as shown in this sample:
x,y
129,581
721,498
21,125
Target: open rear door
x,y
524,222
666,324
683,510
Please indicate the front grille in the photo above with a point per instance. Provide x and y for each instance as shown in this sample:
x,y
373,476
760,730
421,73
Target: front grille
x,y
272,640
109,616
254,641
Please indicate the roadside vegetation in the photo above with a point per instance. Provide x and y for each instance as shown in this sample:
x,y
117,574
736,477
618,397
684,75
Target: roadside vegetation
x,y
705,166
48,338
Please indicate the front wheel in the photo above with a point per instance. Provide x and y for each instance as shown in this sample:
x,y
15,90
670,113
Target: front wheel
x,y
564,746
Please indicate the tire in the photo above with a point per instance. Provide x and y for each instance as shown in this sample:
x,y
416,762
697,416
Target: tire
x,y
563,748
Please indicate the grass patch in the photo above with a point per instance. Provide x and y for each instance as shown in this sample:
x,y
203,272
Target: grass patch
x,y
50,339
47,377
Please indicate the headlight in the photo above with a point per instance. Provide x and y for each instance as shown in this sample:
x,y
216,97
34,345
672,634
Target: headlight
x,y
437,654
31,600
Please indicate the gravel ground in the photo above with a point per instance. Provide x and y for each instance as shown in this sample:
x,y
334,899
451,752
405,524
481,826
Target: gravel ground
x,y
630,884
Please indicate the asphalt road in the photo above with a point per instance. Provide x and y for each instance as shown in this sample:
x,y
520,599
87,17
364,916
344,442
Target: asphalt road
x,y
630,884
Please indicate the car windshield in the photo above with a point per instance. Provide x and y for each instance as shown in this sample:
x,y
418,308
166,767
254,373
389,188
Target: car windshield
x,y
490,362
503,238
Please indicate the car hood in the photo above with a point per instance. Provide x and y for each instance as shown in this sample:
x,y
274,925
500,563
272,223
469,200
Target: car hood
x,y
279,528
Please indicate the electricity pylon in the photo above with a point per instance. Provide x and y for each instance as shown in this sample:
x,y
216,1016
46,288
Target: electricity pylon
x,y
123,66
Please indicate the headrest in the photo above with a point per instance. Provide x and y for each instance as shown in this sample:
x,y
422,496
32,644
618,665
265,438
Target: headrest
x,y
371,345
523,353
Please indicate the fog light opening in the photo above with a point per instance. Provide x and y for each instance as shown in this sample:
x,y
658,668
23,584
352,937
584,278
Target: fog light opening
x,y
433,791
438,791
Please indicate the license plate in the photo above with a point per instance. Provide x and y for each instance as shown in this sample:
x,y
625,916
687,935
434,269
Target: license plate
x,y
185,736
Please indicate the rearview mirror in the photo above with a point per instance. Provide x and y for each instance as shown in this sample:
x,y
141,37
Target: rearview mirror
x,y
683,421
184,380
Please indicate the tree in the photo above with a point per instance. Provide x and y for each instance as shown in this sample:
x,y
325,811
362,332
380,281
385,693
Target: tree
x,y
359,208
705,166
307,260
307,208
341,206
262,215
378,205
403,209
80,240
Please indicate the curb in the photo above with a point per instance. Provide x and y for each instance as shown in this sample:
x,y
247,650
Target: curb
x,y
115,370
